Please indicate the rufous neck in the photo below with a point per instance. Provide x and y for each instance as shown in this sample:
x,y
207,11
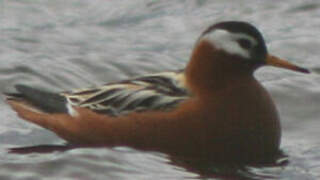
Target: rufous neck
x,y
209,71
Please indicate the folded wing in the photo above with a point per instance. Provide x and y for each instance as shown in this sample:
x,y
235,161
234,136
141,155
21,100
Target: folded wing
x,y
161,91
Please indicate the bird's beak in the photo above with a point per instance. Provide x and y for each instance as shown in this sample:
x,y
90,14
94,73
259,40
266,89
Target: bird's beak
x,y
277,62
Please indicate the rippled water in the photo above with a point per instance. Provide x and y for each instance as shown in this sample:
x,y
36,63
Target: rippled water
x,y
61,45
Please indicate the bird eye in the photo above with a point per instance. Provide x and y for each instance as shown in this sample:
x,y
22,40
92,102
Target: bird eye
x,y
245,43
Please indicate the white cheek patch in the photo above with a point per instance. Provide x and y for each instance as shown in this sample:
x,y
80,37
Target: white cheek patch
x,y
227,41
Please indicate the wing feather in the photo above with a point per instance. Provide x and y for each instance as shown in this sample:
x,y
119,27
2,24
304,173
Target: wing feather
x,y
161,91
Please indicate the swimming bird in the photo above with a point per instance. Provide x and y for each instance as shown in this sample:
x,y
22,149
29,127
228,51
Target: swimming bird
x,y
214,108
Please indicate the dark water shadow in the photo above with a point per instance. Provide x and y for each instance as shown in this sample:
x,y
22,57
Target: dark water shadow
x,y
46,148
208,169
205,169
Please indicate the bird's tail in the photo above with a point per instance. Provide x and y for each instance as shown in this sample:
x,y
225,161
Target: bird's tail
x,y
38,100
40,107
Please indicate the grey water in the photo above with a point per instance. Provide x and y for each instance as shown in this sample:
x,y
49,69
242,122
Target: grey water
x,y
63,45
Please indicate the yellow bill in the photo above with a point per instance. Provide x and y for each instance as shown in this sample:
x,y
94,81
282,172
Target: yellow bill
x,y
277,62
